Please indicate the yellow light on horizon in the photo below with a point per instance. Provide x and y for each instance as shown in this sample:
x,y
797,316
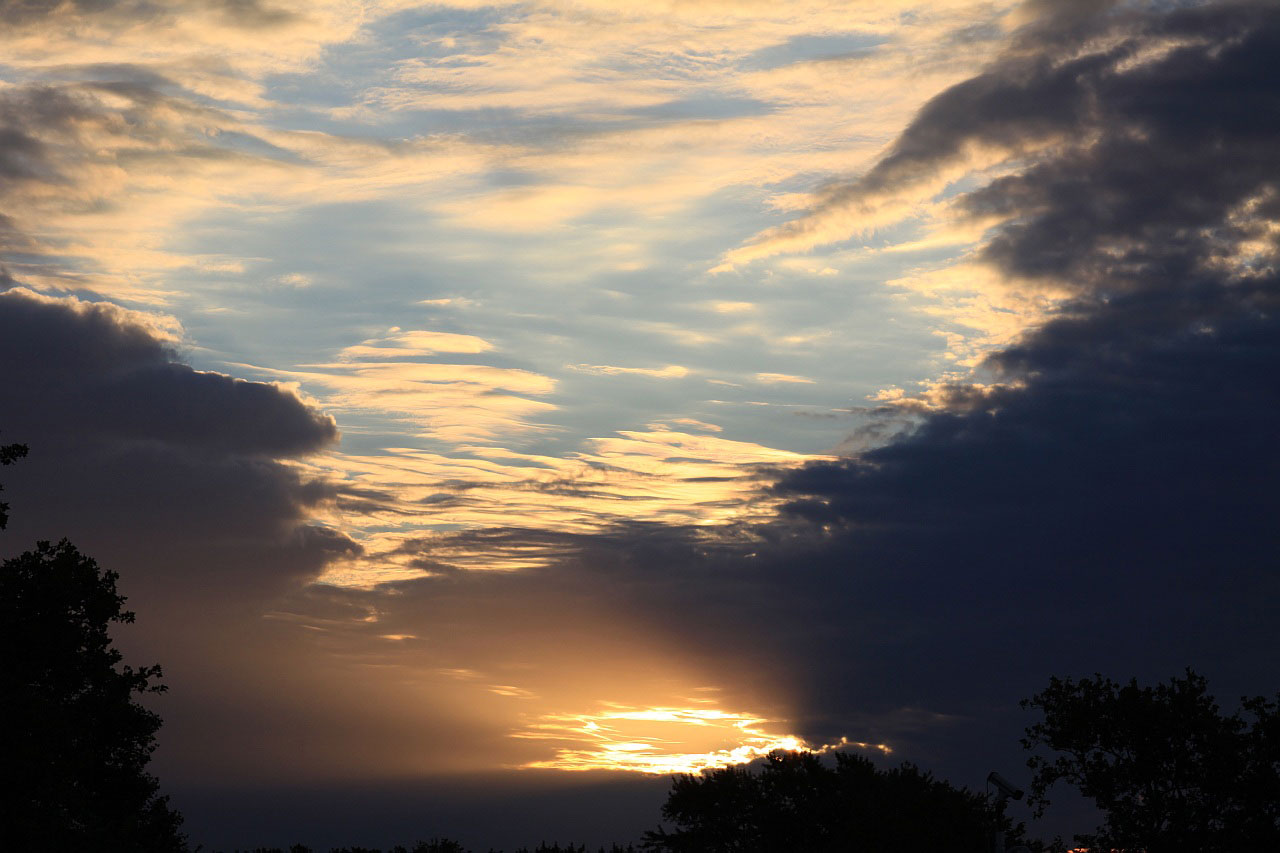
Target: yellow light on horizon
x,y
663,740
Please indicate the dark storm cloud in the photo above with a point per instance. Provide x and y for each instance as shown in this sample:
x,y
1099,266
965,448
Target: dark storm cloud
x,y
124,435
1108,502
1080,69
78,366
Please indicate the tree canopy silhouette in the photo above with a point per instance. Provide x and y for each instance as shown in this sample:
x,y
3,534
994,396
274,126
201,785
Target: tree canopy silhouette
x,y
9,453
77,744
797,802
1167,768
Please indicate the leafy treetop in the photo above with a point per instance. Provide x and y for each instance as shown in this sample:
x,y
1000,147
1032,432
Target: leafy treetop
x,y
1167,768
9,453
77,744
796,801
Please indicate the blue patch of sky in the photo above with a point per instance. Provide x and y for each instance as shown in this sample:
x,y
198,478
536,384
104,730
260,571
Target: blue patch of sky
x,y
361,261
871,340
812,48
966,184
344,71
254,146
704,107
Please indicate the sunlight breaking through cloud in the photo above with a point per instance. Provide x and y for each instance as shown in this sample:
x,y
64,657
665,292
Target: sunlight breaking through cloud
x,y
663,740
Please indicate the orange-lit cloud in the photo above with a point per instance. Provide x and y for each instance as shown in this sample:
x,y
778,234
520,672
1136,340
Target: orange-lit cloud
x,y
656,475
782,378
450,402
401,343
660,740
671,371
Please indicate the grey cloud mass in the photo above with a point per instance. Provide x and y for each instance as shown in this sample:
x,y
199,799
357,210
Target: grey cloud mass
x,y
92,364
123,433
244,13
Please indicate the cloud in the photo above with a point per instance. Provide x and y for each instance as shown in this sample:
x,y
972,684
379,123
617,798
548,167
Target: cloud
x,y
732,307
658,476
401,343
245,13
73,363
216,47
696,424
671,371
624,738
782,378
180,120
456,403
1019,108
73,161
98,394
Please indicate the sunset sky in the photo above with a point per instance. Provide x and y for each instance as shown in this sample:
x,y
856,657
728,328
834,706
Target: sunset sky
x,y
494,407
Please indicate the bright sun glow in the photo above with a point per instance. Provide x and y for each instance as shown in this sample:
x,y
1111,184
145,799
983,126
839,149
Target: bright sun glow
x,y
662,740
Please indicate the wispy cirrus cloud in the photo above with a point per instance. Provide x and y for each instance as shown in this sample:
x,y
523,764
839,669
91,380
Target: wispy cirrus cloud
x,y
398,342
657,475
671,371
454,403
782,378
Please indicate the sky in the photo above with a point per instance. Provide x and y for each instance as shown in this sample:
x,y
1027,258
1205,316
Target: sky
x,y
493,408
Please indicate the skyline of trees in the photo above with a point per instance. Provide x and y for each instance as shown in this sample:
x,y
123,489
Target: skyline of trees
x,y
1167,769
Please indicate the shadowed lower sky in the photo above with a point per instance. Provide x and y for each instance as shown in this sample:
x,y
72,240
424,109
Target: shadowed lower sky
x,y
525,397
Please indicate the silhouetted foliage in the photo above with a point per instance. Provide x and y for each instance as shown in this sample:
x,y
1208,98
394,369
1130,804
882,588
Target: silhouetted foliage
x,y
9,453
581,848
797,802
1168,770
76,745
445,845
435,845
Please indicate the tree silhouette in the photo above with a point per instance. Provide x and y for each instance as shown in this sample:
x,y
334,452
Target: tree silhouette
x,y
76,745
797,802
1168,770
9,453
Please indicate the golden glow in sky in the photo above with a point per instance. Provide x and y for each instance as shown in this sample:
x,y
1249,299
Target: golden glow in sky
x,y
662,740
